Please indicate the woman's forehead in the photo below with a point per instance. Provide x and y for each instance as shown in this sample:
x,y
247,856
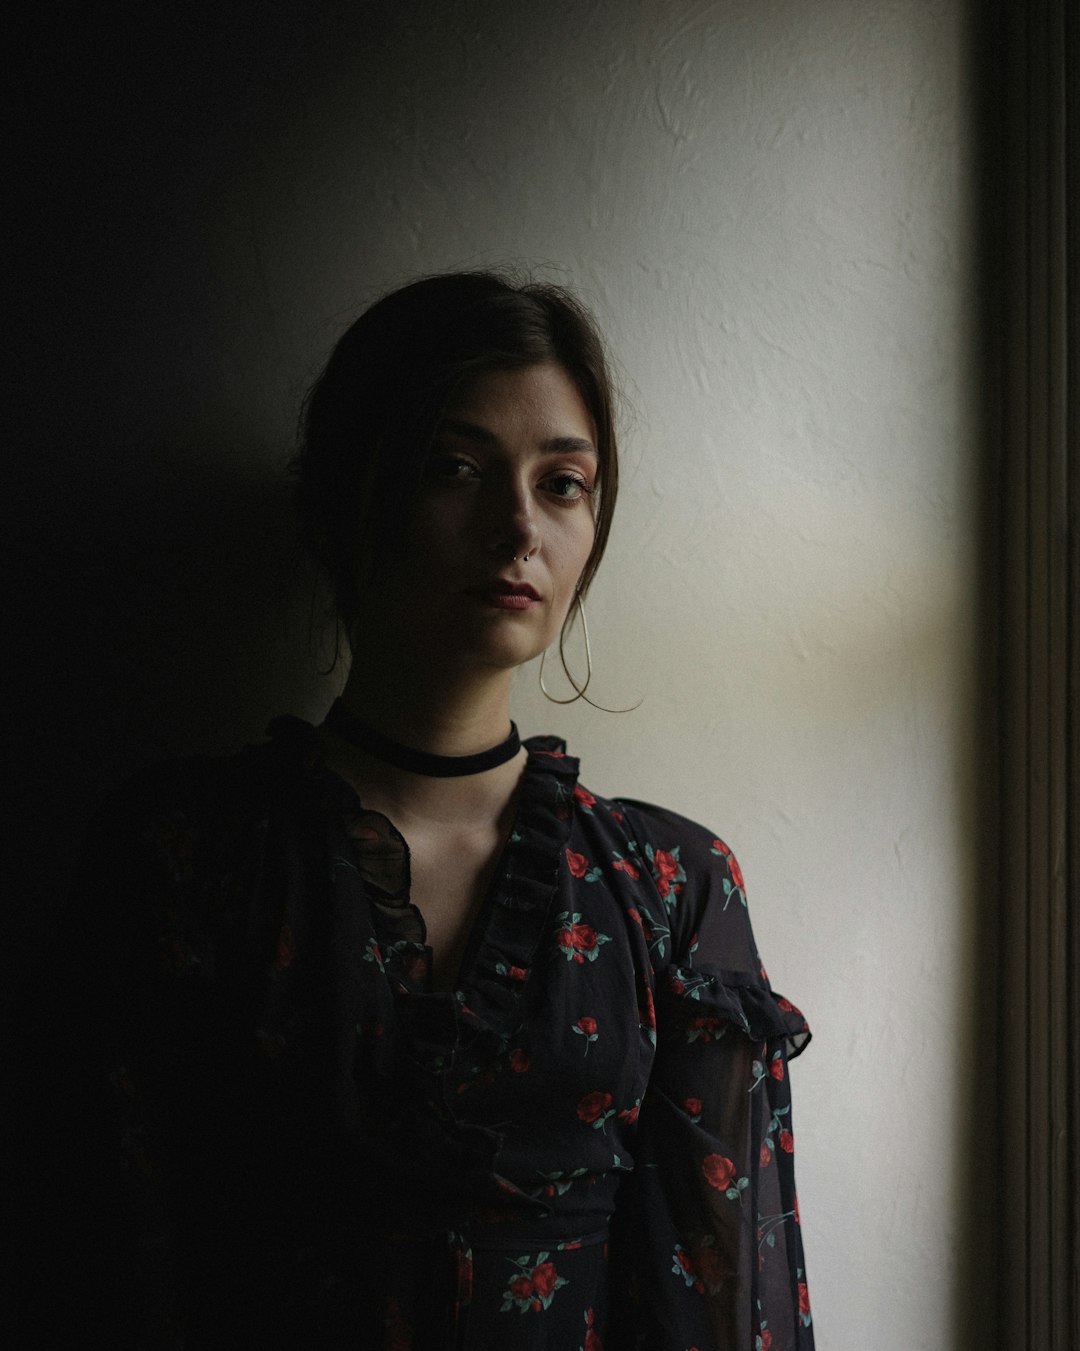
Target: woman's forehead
x,y
540,404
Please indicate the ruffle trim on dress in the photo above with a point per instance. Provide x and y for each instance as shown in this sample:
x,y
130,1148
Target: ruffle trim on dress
x,y
701,1005
472,1028
512,923
380,851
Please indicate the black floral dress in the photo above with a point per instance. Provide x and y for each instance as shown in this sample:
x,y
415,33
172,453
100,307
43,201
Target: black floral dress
x,y
288,1139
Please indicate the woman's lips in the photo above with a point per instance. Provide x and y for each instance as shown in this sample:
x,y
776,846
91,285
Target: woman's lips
x,y
508,595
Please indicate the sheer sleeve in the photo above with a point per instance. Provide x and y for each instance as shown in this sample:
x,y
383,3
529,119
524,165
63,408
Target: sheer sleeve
x,y
131,1084
98,1253
713,1214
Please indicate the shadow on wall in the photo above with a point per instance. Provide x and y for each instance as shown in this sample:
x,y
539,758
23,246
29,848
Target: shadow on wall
x,y
155,608
174,621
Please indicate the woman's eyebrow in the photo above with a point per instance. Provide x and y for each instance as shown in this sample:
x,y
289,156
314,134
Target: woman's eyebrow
x,y
570,444
556,444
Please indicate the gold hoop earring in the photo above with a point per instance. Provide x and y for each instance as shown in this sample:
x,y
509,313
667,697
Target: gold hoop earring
x,y
579,689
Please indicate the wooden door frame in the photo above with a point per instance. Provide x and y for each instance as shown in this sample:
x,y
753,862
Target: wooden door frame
x,y
1039,707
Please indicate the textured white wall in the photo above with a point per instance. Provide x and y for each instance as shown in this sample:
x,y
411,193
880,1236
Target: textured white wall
x,y
769,206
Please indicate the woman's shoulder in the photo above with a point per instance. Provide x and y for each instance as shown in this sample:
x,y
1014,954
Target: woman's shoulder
x,y
683,856
653,826
643,827
655,819
676,873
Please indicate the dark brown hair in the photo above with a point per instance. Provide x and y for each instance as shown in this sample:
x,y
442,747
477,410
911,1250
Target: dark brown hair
x,y
370,418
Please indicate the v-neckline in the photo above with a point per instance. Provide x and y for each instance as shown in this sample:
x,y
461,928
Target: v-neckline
x,y
402,927
509,924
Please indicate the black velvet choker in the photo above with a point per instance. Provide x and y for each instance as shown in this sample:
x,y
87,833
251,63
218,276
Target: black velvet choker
x,y
349,727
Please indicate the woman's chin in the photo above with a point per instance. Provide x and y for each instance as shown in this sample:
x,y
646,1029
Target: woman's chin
x,y
501,645
491,652
508,658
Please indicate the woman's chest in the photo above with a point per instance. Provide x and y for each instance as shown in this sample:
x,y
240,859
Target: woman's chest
x,y
451,875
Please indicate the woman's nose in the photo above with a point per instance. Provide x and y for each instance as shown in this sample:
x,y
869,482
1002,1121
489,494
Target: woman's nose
x,y
514,528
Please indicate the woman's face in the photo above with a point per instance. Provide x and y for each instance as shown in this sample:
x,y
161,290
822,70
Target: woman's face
x,y
511,472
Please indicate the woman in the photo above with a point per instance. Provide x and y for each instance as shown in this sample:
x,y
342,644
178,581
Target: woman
x,y
409,1039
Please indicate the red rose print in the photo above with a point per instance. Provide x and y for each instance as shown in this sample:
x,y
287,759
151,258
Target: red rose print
x,y
625,866
519,1061
543,1279
593,1104
521,1287
592,1341
765,1157
666,865
583,937
286,949
785,1004
705,1026
787,1141
630,1114
766,1339
464,1279
583,796
485,1077
649,1012
577,863
692,1106
587,1025
517,973
677,986
719,1172
635,915
663,886
804,1298
736,871
776,1068
683,1259
532,1289
710,1266
720,847
796,1204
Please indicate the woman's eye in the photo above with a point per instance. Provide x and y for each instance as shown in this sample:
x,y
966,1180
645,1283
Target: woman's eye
x,y
450,468
568,487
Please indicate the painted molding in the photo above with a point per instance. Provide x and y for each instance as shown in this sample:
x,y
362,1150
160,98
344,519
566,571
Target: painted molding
x,y
1039,1182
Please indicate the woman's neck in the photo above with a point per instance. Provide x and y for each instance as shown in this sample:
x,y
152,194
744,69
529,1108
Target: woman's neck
x,y
438,716
435,710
